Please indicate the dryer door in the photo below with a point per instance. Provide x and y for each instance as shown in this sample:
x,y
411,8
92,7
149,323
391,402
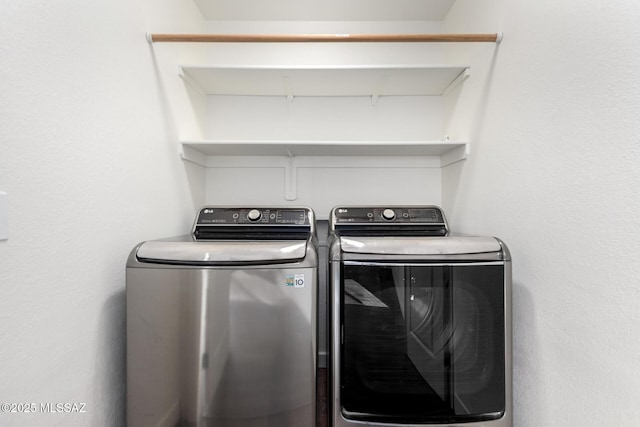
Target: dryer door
x,y
422,343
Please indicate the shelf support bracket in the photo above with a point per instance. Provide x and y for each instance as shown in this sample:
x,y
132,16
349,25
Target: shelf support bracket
x,y
454,156
457,81
188,154
290,178
287,89
189,80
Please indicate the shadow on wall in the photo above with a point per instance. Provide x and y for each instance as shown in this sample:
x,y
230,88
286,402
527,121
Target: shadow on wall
x,y
169,118
455,189
528,383
194,173
110,379
478,120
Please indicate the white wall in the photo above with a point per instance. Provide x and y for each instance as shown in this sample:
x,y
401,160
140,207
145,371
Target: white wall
x,y
89,159
324,182
354,118
554,121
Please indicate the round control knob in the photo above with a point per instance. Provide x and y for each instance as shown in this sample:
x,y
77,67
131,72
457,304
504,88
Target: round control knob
x,y
254,215
388,214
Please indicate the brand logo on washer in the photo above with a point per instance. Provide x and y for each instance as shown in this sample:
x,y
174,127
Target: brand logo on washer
x,y
295,280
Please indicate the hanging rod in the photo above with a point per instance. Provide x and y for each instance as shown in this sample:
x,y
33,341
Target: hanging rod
x,y
323,38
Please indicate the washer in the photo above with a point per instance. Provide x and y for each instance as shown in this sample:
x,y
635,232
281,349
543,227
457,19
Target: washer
x,y
421,321
221,324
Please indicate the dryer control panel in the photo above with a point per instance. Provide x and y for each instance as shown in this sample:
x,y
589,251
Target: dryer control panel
x,y
431,215
392,220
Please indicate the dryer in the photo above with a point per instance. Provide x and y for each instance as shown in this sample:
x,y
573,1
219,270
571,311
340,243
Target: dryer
x,y
221,323
420,321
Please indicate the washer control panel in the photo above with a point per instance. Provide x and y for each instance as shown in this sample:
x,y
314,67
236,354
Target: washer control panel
x,y
385,215
254,223
212,216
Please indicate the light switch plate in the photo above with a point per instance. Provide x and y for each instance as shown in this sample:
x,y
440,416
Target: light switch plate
x,y
4,216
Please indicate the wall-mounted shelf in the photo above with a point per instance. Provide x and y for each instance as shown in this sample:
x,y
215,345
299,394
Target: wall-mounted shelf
x,y
292,81
445,152
293,155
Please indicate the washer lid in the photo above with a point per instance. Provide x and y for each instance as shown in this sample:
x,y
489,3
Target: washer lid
x,y
221,252
420,245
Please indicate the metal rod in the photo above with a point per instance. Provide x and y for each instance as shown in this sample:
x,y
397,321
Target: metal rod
x,y
324,38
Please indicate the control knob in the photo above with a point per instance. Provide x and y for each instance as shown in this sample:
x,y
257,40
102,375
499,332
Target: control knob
x,y
254,215
388,214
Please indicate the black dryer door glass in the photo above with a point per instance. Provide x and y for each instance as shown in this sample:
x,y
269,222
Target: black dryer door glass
x,y
422,343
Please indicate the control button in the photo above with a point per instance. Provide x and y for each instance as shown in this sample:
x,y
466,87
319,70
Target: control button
x,y
254,215
388,214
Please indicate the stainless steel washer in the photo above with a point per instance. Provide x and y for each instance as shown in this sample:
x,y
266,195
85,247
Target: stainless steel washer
x,y
221,324
421,321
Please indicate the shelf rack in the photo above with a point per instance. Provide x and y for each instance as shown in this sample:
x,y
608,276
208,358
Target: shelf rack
x,y
372,80
292,155
443,152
